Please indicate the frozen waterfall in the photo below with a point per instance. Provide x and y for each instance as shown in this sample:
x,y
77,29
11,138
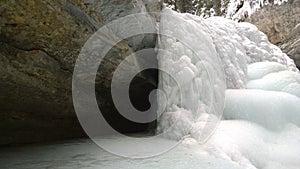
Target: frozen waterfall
x,y
262,108
230,100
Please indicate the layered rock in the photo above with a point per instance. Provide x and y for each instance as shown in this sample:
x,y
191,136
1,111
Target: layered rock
x,y
40,41
282,25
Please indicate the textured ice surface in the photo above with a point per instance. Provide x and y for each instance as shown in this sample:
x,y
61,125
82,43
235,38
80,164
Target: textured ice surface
x,y
274,77
272,110
285,81
260,69
195,82
261,122
260,129
198,51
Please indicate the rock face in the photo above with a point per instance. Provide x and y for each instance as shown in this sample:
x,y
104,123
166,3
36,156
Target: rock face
x,y
40,41
282,26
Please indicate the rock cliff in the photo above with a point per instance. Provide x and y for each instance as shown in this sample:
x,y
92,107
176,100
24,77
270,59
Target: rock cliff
x,y
40,41
282,26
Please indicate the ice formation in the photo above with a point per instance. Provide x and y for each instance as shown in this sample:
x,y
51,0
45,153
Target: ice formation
x,y
261,117
260,129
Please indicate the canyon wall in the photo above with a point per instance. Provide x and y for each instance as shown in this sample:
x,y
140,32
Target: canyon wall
x,y
40,42
282,26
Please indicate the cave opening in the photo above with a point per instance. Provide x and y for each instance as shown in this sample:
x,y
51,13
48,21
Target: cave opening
x,y
140,88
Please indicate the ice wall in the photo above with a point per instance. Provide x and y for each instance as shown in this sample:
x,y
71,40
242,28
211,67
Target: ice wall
x,y
261,116
193,81
201,56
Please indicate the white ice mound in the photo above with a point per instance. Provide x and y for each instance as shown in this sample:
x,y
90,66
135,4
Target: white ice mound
x,y
260,129
270,109
260,69
197,53
193,81
273,77
240,44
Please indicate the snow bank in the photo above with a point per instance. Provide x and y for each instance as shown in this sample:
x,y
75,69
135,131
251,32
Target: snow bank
x,y
253,147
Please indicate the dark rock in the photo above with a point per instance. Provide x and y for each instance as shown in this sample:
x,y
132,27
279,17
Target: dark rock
x,y
40,42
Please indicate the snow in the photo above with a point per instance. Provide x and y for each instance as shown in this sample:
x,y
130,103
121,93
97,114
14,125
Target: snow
x,y
191,64
253,147
273,77
236,10
179,121
204,61
272,110
195,64
84,154
261,69
241,9
286,81
260,129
